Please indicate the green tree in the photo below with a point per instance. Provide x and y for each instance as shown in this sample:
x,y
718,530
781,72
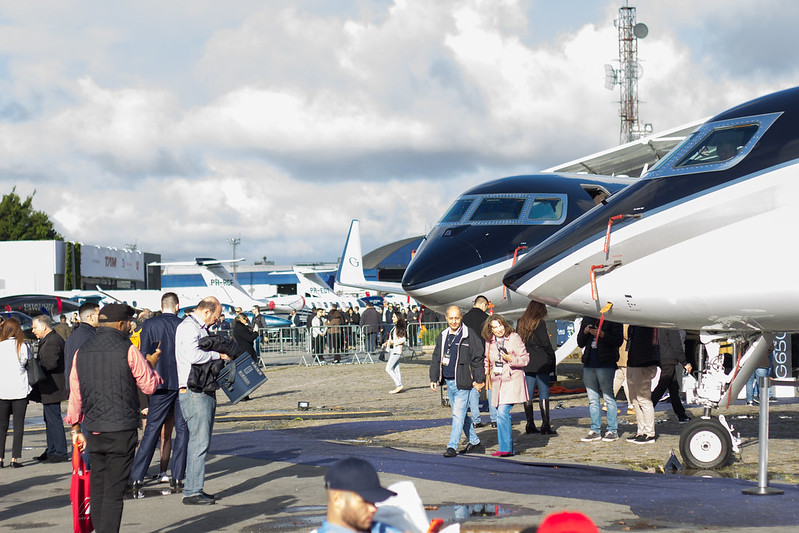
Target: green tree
x,y
20,222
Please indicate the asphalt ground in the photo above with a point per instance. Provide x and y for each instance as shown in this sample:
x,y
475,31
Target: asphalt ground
x,y
267,461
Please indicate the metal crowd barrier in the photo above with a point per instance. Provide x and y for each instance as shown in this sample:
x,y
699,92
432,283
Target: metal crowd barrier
x,y
347,344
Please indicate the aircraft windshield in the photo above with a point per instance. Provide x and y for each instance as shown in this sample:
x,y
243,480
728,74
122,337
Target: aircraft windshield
x,y
507,209
457,210
721,145
498,209
714,146
546,209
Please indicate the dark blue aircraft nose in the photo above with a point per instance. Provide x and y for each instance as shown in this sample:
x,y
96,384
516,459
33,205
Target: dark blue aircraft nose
x,y
447,253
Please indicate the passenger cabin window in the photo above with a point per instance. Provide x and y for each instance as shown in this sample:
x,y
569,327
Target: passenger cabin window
x,y
720,146
546,209
498,209
457,210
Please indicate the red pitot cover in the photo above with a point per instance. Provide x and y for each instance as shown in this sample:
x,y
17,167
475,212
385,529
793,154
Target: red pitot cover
x,y
79,494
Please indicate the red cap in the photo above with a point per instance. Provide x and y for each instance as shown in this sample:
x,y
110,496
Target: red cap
x,y
567,522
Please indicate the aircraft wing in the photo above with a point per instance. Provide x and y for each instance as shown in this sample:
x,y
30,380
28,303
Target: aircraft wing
x,y
631,159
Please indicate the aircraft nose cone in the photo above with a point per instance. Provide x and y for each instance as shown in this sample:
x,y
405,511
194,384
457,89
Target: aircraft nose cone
x,y
442,258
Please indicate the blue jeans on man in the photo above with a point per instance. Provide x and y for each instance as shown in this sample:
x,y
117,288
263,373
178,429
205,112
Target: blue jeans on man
x,y
198,410
461,422
161,404
754,381
596,380
474,406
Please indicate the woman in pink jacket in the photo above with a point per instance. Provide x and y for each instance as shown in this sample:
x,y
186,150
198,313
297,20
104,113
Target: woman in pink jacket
x,y
505,360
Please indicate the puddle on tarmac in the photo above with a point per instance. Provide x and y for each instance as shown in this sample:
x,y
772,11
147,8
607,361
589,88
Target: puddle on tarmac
x,y
454,513
313,515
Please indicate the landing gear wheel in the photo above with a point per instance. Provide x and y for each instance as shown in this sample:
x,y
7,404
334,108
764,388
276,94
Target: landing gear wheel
x,y
705,443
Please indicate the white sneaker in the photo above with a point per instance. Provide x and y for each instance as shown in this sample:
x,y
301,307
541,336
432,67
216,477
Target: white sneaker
x,y
610,436
592,437
163,477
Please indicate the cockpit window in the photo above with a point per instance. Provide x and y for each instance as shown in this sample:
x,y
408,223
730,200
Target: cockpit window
x,y
456,212
720,146
498,209
714,146
507,208
546,209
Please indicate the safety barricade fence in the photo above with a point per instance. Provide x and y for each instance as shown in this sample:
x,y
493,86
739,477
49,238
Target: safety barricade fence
x,y
350,344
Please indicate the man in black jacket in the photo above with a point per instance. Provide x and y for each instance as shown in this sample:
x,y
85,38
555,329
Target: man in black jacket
x,y
642,364
672,362
474,320
600,353
458,362
52,391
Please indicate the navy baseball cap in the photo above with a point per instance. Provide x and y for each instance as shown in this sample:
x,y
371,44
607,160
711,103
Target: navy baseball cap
x,y
358,476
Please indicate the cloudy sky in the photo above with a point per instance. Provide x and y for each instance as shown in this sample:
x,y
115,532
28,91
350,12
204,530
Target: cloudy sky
x,y
178,125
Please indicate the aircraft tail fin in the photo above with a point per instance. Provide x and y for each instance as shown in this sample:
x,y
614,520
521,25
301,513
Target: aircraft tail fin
x,y
350,269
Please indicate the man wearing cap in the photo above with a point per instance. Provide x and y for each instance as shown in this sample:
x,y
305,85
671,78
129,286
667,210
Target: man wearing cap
x,y
197,406
105,373
353,489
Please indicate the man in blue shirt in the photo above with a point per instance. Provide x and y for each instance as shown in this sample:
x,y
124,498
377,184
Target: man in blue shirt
x,y
353,489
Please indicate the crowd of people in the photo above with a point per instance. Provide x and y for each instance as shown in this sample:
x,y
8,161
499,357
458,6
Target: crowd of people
x,y
120,373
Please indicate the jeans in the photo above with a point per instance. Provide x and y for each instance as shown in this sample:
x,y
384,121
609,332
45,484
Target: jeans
x,y
392,368
504,429
474,405
54,430
459,400
370,342
161,404
753,380
198,410
540,382
112,457
596,380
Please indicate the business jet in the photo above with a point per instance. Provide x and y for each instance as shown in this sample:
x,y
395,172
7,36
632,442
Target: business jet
x,y
38,304
696,245
492,226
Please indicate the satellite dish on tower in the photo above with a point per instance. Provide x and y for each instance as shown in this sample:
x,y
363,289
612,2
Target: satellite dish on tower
x,y
640,30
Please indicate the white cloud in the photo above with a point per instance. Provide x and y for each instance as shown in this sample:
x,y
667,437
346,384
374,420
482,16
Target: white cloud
x,y
181,126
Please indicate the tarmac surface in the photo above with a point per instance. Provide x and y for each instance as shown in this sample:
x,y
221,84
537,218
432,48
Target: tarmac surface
x,y
267,460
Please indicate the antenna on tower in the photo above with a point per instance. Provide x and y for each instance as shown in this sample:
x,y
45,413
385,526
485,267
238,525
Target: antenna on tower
x,y
628,74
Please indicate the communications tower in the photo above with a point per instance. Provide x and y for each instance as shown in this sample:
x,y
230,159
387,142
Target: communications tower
x,y
627,74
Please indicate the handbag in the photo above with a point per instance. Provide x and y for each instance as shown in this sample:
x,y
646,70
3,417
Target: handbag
x,y
35,373
79,494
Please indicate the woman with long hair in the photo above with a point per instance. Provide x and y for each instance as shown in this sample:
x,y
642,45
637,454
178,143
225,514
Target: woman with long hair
x,y
533,331
244,335
395,344
505,360
14,387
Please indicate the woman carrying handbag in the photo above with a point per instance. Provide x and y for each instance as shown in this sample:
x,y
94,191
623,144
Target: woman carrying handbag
x,y
14,387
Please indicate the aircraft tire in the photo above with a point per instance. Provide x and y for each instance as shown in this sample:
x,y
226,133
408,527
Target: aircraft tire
x,y
705,443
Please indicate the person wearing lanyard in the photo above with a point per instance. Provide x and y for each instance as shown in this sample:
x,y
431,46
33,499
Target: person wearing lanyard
x,y
506,357
458,362
198,407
